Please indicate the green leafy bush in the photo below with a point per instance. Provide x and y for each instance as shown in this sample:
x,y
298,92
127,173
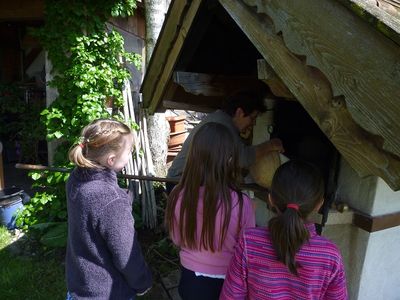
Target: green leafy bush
x,y
89,70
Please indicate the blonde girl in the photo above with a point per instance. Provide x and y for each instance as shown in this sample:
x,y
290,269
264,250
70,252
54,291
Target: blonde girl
x,y
104,259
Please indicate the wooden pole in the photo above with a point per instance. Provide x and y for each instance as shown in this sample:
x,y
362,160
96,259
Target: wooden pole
x,y
67,170
247,186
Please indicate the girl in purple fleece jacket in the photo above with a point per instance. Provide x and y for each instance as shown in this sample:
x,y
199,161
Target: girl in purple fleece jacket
x,y
104,259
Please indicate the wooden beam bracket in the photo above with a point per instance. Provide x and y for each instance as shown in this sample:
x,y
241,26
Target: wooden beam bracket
x,y
375,223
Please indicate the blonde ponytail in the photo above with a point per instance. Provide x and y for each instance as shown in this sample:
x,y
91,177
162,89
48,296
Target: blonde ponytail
x,y
98,138
77,157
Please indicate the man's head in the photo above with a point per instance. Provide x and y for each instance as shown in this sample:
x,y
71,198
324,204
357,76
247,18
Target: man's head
x,y
244,107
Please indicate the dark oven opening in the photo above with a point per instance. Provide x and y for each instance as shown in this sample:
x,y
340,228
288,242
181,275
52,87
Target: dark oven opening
x,y
303,139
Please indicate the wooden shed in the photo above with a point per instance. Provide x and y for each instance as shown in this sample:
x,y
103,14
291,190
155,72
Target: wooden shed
x,y
333,70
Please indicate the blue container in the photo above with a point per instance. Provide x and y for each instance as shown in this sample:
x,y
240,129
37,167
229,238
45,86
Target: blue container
x,y
10,202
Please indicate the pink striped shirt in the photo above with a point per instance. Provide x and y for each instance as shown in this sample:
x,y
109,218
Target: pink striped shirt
x,y
215,263
255,272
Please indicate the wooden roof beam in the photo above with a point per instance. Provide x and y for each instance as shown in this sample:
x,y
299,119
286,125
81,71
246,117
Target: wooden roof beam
x,y
213,84
187,106
361,64
381,17
177,98
167,50
310,86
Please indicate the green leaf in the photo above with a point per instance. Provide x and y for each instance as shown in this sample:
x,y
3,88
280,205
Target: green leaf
x,y
87,71
58,134
56,236
47,225
36,176
44,200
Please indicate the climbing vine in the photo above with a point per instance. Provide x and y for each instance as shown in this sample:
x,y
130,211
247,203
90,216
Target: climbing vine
x,y
87,63
89,69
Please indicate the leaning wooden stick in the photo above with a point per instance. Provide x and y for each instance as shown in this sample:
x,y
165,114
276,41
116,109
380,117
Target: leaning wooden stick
x,y
67,170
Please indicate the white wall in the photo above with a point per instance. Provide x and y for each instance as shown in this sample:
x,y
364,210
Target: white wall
x,y
352,243
386,200
380,277
357,192
372,259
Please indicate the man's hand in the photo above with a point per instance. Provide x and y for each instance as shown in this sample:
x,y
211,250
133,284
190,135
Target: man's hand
x,y
274,145
269,146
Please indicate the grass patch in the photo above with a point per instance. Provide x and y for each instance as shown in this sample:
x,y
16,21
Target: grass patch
x,y
37,277
29,277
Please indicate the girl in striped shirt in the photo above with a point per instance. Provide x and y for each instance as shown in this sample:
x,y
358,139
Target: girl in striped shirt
x,y
288,260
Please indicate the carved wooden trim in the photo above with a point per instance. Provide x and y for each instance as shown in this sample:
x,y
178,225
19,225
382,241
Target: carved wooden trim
x,y
311,87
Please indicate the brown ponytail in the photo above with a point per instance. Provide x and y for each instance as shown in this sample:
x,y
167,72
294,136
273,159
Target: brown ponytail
x,y
297,188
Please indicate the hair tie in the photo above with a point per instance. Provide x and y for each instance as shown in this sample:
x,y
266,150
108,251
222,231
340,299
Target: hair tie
x,y
293,205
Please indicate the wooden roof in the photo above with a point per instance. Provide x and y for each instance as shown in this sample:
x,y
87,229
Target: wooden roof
x,y
342,67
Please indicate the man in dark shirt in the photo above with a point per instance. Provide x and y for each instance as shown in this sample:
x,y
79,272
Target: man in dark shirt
x,y
238,115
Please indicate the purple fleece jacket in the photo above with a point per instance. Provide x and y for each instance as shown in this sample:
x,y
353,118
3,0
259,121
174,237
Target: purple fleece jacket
x,y
104,259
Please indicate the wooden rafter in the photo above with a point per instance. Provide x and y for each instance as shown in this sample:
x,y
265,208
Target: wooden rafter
x,y
176,97
213,84
186,106
167,50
